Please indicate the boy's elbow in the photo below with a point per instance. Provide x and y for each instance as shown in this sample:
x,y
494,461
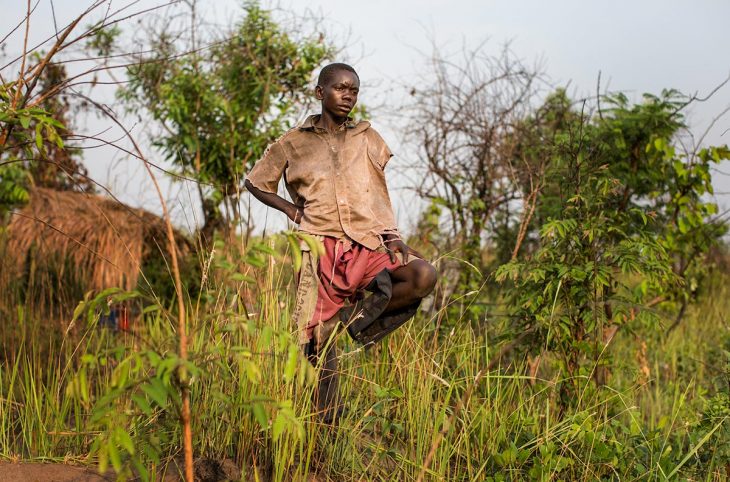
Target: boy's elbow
x,y
252,189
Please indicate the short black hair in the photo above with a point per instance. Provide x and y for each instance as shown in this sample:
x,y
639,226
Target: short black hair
x,y
329,70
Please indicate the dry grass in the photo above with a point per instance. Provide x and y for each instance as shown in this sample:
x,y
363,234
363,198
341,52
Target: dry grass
x,y
95,241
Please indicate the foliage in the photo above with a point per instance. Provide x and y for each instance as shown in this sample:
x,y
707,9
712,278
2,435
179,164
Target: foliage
x,y
101,42
249,406
220,106
462,120
637,144
33,151
623,217
27,136
143,386
495,168
59,165
582,267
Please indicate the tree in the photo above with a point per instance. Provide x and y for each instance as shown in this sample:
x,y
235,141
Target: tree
x,y
33,122
220,105
639,146
52,164
621,220
462,125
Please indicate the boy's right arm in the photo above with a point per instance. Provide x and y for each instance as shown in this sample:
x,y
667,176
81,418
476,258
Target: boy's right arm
x,y
277,202
266,174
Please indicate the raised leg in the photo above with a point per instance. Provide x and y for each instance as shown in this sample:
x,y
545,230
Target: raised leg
x,y
411,283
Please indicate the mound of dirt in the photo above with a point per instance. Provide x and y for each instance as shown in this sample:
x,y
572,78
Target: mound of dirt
x,y
209,470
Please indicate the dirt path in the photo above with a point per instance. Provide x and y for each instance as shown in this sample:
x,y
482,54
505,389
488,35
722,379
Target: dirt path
x,y
49,473
206,470
34,472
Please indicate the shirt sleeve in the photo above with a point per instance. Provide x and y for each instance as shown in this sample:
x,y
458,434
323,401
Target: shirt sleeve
x,y
268,170
378,150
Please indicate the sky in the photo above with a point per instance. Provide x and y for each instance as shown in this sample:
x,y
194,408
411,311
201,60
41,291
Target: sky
x,y
636,46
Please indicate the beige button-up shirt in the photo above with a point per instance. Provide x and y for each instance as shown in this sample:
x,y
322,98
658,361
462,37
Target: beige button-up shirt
x,y
337,177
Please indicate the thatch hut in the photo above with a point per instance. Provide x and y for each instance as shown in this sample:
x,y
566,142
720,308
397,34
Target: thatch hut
x,y
68,243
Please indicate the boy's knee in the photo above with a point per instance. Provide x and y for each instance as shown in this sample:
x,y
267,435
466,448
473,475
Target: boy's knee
x,y
425,279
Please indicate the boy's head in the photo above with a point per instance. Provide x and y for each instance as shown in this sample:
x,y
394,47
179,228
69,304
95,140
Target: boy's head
x,y
338,86
325,75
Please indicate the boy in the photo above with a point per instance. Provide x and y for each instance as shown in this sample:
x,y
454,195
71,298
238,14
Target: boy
x,y
333,170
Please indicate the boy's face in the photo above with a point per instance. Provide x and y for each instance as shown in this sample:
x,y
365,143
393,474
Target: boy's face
x,y
339,94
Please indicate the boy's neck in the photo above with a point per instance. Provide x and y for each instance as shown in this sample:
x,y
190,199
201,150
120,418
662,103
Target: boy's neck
x,y
329,122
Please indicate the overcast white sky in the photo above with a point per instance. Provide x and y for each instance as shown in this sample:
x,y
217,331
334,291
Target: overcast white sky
x,y
638,46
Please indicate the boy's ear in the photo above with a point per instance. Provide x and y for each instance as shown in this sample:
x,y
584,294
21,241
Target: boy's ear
x,y
318,93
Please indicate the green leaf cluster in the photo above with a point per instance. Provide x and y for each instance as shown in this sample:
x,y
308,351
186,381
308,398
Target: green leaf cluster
x,y
142,401
25,133
220,106
622,220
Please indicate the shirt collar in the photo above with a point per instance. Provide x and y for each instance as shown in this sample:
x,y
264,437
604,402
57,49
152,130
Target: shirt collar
x,y
310,121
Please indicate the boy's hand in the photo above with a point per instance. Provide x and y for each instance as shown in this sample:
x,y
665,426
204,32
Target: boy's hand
x,y
393,246
295,213
292,211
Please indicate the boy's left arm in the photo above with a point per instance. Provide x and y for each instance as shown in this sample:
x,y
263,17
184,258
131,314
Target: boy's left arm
x,y
391,240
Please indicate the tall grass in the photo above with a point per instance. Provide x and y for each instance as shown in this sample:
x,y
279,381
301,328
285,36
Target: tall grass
x,y
251,396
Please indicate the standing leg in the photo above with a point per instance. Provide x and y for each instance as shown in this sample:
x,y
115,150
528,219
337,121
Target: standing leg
x,y
324,353
327,397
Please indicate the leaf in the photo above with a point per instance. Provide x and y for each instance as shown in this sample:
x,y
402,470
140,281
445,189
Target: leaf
x,y
279,426
83,385
150,309
38,137
80,307
265,336
142,404
57,139
114,456
24,120
156,391
291,363
103,458
315,245
259,413
682,223
242,278
141,469
296,252
264,248
125,441
253,373
255,261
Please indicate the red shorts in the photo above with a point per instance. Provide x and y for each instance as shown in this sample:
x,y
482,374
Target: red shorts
x,y
342,272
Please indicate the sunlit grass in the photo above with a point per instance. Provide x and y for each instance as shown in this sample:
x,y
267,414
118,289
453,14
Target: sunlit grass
x,y
399,394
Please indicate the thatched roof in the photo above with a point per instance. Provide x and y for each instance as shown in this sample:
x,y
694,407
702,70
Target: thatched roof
x,y
102,240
